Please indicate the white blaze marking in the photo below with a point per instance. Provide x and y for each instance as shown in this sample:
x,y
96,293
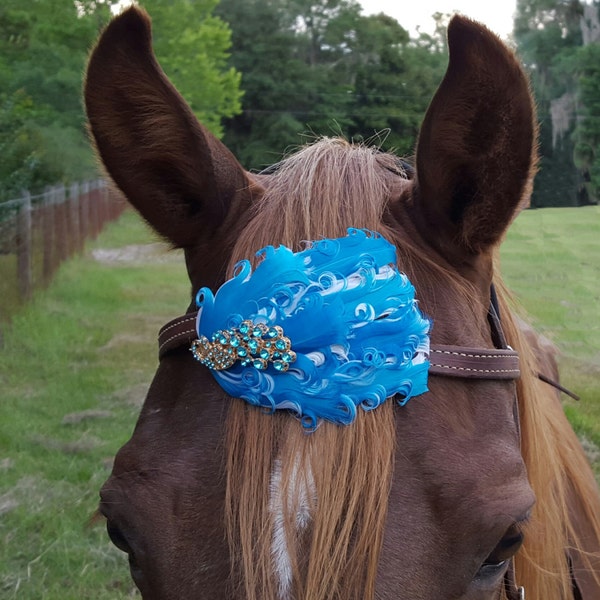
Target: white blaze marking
x,y
302,488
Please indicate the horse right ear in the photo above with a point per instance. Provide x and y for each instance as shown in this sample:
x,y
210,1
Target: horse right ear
x,y
179,176
476,155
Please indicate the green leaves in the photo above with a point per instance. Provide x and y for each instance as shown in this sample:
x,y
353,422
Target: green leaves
x,y
565,78
587,130
43,49
192,46
322,68
43,52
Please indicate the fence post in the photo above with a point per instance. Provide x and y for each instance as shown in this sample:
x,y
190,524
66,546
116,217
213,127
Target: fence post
x,y
48,235
95,208
84,209
60,224
75,218
24,265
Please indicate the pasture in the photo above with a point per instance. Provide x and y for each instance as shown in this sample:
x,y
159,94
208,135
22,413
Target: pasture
x,y
77,360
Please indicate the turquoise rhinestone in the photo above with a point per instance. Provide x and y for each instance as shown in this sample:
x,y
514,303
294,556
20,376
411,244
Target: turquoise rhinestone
x,y
281,345
259,364
242,352
280,366
222,337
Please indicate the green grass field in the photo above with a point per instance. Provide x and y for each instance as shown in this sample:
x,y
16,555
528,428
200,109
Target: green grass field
x,y
551,261
74,369
76,362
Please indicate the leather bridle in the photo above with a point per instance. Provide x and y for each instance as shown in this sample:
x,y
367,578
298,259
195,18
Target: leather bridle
x,y
448,361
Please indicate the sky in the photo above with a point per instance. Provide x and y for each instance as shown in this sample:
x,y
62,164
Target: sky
x,y
496,14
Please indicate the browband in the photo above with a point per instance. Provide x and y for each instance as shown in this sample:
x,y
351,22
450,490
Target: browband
x,y
447,361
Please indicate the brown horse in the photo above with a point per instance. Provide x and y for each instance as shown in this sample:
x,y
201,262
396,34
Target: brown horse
x,y
464,490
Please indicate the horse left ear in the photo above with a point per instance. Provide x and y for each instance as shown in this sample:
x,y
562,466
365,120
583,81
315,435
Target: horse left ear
x,y
476,152
179,176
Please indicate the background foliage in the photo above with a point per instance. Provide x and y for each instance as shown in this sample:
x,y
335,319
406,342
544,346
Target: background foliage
x,y
559,40
267,74
322,68
43,51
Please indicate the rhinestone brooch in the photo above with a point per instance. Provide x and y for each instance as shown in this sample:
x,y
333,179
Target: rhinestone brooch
x,y
253,344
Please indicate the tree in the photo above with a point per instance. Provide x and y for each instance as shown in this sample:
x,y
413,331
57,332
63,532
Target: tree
x,y
587,130
43,52
556,40
43,48
395,78
321,68
192,46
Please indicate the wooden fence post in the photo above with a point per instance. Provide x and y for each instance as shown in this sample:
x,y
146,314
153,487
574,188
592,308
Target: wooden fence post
x,y
48,235
74,217
24,265
84,212
60,223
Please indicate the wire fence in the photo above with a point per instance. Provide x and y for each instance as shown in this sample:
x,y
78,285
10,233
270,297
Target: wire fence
x,y
38,232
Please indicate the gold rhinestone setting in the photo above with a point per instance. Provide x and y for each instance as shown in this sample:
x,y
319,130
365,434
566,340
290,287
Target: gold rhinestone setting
x,y
253,344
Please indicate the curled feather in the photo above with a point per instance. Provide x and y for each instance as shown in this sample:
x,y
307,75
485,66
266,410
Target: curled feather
x,y
356,332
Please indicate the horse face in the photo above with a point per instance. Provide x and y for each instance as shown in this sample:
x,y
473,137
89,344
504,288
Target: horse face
x,y
429,499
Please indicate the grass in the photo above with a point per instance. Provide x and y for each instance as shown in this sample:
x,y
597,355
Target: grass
x,y
68,403
551,260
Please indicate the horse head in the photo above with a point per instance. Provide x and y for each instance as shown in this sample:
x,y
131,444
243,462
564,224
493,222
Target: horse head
x,y
215,497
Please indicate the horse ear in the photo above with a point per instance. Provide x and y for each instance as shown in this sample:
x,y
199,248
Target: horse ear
x,y
476,153
174,171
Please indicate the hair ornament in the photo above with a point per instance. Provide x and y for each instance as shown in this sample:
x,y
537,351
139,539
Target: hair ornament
x,y
319,332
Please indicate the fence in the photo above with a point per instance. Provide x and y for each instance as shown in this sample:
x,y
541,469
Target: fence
x,y
38,232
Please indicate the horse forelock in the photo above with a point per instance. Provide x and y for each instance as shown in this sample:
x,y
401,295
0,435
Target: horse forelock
x,y
322,519
320,191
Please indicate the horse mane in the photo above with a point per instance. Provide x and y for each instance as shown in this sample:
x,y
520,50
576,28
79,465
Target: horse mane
x,y
316,193
558,472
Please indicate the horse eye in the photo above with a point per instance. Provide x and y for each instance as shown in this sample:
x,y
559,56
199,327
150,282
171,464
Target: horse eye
x,y
117,538
506,548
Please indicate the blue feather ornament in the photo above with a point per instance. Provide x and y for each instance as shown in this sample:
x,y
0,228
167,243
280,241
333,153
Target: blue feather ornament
x,y
319,332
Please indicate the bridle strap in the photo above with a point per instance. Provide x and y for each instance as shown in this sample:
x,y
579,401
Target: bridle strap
x,y
473,363
177,333
511,589
448,361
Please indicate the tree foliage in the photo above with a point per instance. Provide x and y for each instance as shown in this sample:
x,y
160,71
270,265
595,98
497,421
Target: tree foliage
x,y
43,52
192,45
43,47
561,48
322,68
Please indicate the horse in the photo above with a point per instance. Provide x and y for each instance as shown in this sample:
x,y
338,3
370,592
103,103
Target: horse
x,y
467,482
